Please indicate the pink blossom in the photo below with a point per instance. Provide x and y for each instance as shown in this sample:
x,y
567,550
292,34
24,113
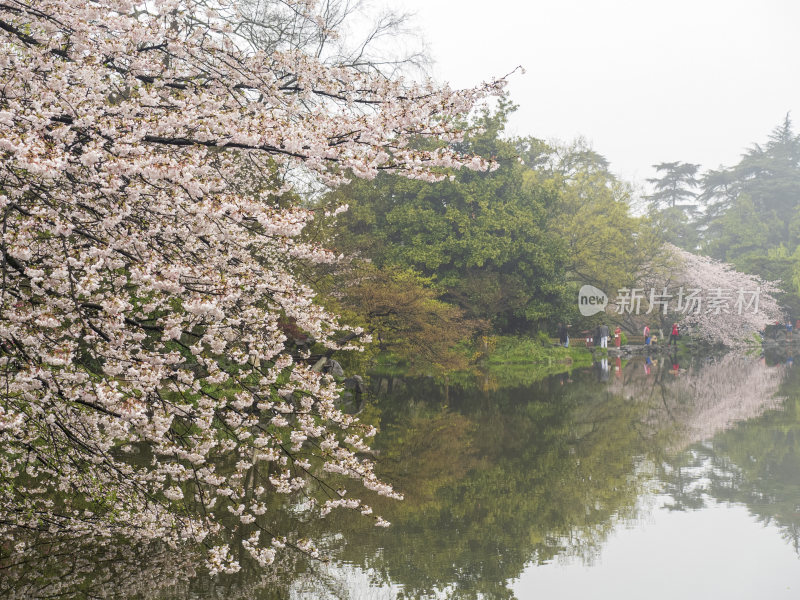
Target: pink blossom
x,y
147,265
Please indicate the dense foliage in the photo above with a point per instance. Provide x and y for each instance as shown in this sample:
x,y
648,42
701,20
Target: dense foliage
x,y
485,239
510,247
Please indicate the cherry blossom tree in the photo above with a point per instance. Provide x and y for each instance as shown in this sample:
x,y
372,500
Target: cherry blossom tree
x,y
734,305
148,261
710,299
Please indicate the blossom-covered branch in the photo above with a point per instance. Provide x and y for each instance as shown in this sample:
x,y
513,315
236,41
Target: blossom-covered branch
x,y
147,265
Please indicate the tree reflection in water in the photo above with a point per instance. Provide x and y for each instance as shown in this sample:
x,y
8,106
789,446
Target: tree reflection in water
x,y
705,396
495,481
756,464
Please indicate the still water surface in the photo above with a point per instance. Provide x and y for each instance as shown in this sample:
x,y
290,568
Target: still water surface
x,y
670,478
659,479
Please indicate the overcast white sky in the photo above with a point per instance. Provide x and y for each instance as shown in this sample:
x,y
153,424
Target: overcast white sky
x,y
644,81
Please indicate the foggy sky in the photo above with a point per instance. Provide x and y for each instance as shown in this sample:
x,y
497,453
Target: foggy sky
x,y
644,81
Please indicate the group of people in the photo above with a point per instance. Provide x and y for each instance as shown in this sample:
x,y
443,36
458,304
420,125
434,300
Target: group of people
x,y
602,334
673,336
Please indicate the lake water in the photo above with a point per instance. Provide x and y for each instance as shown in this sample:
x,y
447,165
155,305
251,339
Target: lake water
x,y
672,477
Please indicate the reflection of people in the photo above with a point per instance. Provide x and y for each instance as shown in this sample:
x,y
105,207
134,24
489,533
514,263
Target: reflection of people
x,y
602,369
673,336
675,366
646,335
647,363
617,336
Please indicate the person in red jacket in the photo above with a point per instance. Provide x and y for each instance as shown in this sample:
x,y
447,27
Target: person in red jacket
x,y
674,335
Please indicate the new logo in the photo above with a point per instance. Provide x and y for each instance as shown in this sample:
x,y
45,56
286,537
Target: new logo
x,y
591,300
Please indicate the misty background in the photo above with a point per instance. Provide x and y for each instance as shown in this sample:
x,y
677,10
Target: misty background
x,y
643,82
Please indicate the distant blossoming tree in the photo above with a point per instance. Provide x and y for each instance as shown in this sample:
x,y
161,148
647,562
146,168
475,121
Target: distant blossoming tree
x,y
709,298
735,305
148,263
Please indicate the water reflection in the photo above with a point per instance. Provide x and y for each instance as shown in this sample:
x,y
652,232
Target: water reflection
x,y
499,479
756,464
697,397
48,567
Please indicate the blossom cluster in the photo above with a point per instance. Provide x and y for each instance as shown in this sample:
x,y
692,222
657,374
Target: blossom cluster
x,y
735,306
148,263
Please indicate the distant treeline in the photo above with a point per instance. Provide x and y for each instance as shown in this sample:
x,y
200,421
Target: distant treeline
x,y
747,215
505,251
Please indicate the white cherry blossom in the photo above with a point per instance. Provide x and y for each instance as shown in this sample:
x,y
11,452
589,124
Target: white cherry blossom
x,y
148,264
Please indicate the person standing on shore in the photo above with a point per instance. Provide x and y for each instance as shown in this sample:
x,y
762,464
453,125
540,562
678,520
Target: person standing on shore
x,y
673,336
646,333
617,336
604,336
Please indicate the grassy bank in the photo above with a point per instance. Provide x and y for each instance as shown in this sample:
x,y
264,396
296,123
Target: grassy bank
x,y
517,349
525,359
505,360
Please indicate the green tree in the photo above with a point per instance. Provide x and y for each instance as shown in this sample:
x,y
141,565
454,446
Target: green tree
x,y
676,187
606,244
403,314
673,203
751,217
766,182
484,238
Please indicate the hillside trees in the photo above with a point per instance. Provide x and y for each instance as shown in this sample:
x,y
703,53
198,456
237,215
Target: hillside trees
x,y
764,187
752,214
746,215
485,239
147,273
509,247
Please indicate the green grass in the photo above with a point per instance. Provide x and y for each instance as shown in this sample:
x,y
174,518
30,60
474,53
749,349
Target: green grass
x,y
515,360
524,350
507,360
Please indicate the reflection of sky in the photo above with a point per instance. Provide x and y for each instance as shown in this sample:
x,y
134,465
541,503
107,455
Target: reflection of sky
x,y
718,552
353,583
